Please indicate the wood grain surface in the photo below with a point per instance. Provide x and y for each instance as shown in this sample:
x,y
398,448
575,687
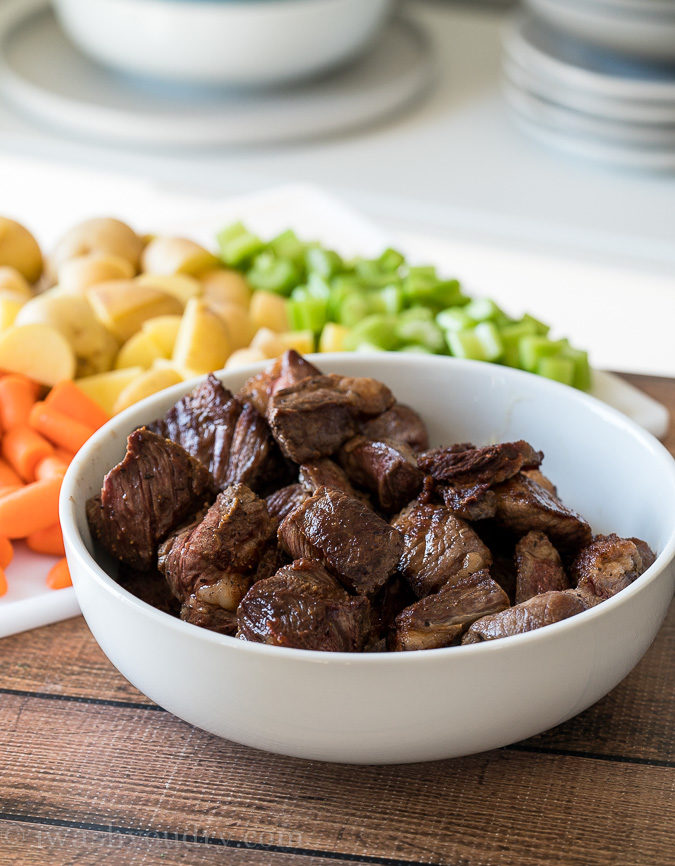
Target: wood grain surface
x,y
93,772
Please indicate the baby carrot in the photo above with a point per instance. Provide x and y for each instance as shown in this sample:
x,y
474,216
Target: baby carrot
x,y
3,582
6,551
8,477
68,399
30,508
59,428
50,466
49,540
59,576
17,395
23,448
5,491
65,456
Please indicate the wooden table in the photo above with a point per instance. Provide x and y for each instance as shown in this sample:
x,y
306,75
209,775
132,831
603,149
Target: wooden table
x,y
92,772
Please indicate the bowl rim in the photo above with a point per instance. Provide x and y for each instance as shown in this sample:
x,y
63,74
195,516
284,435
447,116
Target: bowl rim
x,y
69,503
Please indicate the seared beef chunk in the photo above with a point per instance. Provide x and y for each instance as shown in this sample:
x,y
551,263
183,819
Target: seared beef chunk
x,y
315,416
538,611
475,466
388,469
608,565
217,557
149,586
156,487
440,619
388,603
539,478
287,370
477,502
203,423
539,568
209,616
325,473
286,499
522,505
437,547
346,537
400,424
303,607
255,459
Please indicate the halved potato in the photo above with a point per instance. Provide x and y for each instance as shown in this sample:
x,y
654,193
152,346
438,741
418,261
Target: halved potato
x,y
79,274
19,249
223,286
138,351
149,382
105,388
171,255
301,341
163,330
123,306
332,338
10,304
203,341
14,281
269,311
268,343
100,235
237,321
40,352
181,286
244,357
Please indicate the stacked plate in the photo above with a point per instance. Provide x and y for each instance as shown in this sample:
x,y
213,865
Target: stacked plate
x,y
587,100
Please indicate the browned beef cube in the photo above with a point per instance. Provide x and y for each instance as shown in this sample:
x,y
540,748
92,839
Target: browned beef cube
x,y
474,466
286,499
387,469
346,537
400,424
255,458
388,603
539,478
303,607
281,373
209,616
315,416
217,557
203,423
438,547
440,619
150,587
477,502
151,492
538,611
608,565
523,505
325,472
538,565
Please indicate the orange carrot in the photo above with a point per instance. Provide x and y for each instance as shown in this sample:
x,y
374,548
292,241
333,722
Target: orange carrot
x,y
59,576
30,508
68,399
8,476
59,428
23,449
5,491
3,582
17,395
50,466
49,540
6,551
65,456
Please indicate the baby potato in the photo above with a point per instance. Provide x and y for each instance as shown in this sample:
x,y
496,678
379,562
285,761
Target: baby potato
x,y
301,341
244,357
19,250
223,286
38,351
237,321
99,235
138,351
170,255
181,286
268,343
149,382
10,304
94,346
105,388
124,305
163,331
15,282
269,311
332,338
203,341
79,274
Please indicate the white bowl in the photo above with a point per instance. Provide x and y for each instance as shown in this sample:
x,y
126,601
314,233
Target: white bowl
x,y
418,706
234,42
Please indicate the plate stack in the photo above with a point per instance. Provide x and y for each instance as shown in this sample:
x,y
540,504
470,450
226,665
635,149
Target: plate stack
x,y
596,78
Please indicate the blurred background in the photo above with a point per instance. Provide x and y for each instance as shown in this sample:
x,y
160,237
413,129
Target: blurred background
x,y
526,148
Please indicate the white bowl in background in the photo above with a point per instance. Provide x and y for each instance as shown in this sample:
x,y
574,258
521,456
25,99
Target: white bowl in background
x,y
417,706
231,42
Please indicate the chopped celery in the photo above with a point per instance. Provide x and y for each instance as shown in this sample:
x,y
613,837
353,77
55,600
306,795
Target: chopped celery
x,y
420,332
454,319
532,349
483,343
560,369
540,328
377,330
325,263
307,311
371,274
288,245
417,314
353,308
511,335
482,310
416,349
386,300
272,274
369,348
582,369
238,245
422,286
390,260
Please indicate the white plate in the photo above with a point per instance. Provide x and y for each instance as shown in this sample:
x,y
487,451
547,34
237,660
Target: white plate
x,y
312,213
43,74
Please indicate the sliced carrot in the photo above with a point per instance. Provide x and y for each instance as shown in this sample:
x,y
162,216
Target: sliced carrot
x,y
50,466
6,551
67,398
59,576
8,476
49,540
30,508
23,448
17,395
59,428
3,582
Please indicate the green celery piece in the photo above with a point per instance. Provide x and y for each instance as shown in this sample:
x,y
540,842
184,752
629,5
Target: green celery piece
x,y
488,334
390,260
419,332
325,263
424,271
558,368
353,308
582,369
271,274
483,310
307,312
532,349
482,343
386,300
370,274
416,314
238,245
318,287
377,330
511,335
454,319
369,348
416,349
540,328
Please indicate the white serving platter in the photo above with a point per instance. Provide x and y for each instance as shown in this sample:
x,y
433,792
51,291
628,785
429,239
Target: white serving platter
x,y
312,214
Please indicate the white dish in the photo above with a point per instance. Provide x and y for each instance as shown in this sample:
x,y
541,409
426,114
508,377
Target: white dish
x,y
393,708
73,94
235,43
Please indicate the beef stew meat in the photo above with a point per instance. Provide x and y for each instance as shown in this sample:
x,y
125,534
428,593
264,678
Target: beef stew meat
x,y
210,616
539,568
473,466
150,587
287,370
387,469
151,492
281,502
440,619
347,538
536,612
438,547
398,424
325,472
255,458
473,502
303,606
608,565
